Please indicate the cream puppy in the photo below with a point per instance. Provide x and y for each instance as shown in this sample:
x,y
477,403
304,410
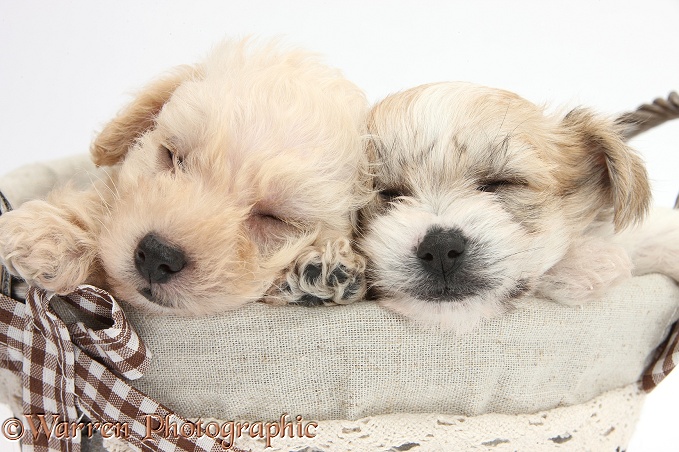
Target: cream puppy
x,y
484,199
231,180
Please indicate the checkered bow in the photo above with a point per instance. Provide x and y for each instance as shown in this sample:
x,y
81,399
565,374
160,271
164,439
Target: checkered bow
x,y
67,369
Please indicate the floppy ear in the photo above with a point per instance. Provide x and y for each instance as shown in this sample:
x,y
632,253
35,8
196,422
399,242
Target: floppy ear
x,y
113,142
602,162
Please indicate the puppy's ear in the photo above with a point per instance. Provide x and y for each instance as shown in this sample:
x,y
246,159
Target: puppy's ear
x,y
602,162
113,142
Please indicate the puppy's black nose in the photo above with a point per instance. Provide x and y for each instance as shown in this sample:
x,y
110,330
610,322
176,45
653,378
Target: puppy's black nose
x,y
440,250
156,260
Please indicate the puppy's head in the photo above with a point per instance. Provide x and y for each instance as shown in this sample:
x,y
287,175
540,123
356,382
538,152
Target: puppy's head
x,y
479,193
223,171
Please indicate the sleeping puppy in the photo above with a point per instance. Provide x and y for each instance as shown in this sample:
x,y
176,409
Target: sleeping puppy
x,y
484,199
231,180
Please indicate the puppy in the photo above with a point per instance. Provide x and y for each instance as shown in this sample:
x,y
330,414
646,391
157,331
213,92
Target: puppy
x,y
231,180
484,199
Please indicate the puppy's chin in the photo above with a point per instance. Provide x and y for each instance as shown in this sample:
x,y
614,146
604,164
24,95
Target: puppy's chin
x,y
458,305
199,289
184,301
457,316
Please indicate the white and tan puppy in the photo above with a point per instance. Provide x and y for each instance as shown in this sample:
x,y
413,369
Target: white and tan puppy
x,y
232,179
484,199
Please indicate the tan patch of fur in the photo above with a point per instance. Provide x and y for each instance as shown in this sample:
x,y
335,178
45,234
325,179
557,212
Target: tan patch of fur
x,y
112,143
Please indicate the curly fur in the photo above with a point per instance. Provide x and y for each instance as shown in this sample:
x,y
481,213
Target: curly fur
x,y
243,162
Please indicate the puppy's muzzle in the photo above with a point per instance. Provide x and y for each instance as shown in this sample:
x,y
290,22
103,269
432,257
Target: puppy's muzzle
x,y
156,260
447,270
441,251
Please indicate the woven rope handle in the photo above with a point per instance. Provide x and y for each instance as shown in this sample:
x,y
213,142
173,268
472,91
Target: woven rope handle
x,y
648,116
5,277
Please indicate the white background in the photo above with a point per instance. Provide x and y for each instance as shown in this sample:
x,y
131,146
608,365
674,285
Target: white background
x,y
66,67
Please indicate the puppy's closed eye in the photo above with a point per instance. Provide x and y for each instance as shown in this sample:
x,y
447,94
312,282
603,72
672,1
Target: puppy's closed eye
x,y
269,219
171,158
493,185
391,194
269,226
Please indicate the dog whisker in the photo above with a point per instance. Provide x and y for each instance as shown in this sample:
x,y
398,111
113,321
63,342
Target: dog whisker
x,y
529,250
103,225
499,129
109,184
112,186
104,202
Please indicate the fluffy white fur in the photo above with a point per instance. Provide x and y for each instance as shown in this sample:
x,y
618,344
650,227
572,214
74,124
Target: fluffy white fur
x,y
536,200
250,165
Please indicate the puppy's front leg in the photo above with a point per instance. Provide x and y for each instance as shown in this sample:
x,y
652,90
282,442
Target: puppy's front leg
x,y
50,244
322,275
589,268
654,245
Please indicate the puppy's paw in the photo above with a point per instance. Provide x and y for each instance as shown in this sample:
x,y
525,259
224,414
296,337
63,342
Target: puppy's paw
x,y
585,273
327,275
654,246
45,249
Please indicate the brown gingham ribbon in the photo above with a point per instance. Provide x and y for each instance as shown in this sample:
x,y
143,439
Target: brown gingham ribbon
x,y
67,369
5,277
667,359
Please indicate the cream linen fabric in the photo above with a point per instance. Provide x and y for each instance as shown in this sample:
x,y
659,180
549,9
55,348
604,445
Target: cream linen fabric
x,y
35,180
350,362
